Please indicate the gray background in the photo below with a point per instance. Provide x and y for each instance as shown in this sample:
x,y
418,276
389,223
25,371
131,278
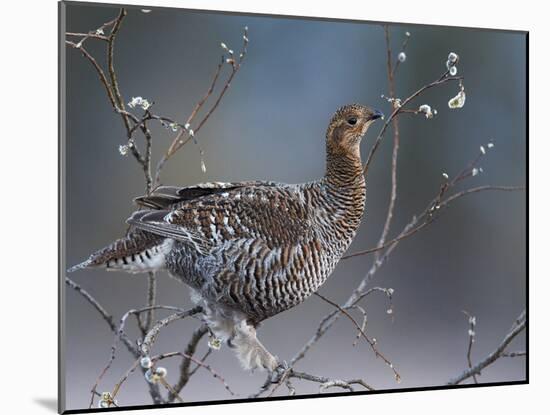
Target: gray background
x,y
271,126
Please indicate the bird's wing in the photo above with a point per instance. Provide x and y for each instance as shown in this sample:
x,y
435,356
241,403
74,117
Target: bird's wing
x,y
164,197
273,213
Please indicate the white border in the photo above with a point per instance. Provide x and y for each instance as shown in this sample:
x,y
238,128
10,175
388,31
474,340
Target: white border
x,y
28,100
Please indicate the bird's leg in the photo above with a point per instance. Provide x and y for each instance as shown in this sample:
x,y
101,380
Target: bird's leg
x,y
250,351
239,334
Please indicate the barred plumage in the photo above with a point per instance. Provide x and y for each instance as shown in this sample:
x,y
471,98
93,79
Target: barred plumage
x,y
250,250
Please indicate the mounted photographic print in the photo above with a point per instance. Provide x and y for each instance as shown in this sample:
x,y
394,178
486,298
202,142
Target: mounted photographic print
x,y
259,207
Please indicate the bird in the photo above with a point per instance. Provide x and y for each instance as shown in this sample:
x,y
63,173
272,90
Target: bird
x,y
250,250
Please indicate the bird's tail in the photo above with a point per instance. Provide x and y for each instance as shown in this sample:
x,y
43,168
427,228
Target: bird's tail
x,y
139,251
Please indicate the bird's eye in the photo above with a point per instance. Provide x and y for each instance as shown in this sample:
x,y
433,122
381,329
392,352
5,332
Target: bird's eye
x,y
352,120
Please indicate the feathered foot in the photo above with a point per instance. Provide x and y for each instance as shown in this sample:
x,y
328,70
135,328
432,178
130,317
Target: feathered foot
x,y
279,373
274,377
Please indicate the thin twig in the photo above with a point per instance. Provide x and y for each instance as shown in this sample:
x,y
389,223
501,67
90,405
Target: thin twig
x,y
111,67
150,338
202,359
371,342
170,389
118,385
185,373
398,109
121,334
403,49
144,161
471,336
96,34
445,203
99,70
101,310
87,35
514,354
324,383
155,395
151,298
395,150
363,324
197,362
493,356
327,383
179,141
112,89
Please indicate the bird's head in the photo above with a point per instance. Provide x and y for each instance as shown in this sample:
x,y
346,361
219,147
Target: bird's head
x,y
348,125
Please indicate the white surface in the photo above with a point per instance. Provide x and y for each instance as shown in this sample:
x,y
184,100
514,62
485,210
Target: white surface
x,y
29,207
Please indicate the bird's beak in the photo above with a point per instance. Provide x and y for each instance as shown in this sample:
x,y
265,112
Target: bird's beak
x,y
377,114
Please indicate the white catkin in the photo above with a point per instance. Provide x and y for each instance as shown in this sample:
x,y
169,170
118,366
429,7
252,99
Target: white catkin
x,y
458,101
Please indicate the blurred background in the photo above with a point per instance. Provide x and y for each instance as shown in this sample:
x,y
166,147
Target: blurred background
x,y
271,125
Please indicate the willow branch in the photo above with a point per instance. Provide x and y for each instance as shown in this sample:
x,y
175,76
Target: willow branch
x,y
395,150
87,35
98,69
155,394
179,140
429,215
111,66
471,335
151,298
157,398
185,373
324,383
126,375
371,342
403,49
445,203
514,354
104,314
113,92
150,338
401,108
517,328
95,34
197,362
